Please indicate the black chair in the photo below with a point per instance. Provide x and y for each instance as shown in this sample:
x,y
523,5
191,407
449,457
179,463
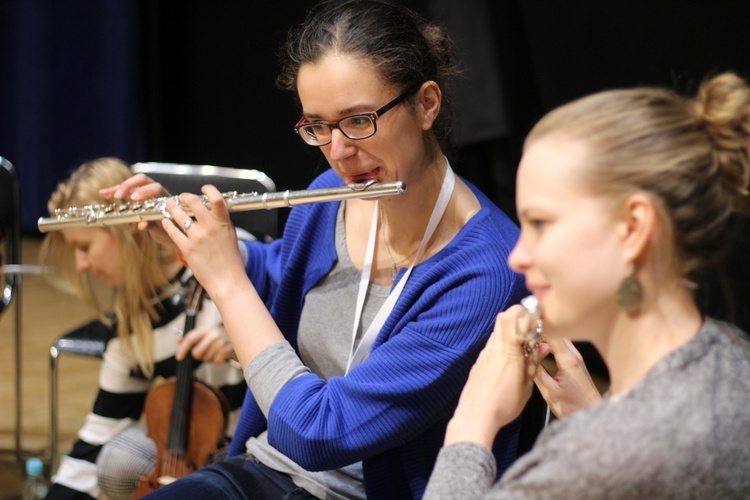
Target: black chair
x,y
180,178
10,260
11,271
91,339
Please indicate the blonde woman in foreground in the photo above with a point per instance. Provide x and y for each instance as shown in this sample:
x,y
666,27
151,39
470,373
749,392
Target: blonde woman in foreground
x,y
622,196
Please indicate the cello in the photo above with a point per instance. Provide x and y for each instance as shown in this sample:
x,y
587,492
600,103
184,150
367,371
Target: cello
x,y
186,418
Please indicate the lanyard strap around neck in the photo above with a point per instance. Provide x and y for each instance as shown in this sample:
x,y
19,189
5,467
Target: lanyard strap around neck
x,y
368,338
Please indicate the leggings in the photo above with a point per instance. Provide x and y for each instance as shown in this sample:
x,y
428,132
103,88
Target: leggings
x,y
240,477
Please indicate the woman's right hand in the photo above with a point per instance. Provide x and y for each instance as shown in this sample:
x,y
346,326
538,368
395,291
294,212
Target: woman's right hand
x,y
499,385
209,343
138,188
571,389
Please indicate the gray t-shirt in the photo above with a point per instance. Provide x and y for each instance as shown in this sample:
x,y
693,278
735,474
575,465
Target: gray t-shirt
x,y
325,342
683,431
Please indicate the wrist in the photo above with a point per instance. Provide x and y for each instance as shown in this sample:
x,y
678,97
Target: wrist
x,y
470,430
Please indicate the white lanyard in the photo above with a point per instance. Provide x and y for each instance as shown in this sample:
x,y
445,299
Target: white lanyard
x,y
368,338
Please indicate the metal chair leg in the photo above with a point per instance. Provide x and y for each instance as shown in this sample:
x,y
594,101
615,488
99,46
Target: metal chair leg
x,y
18,452
53,415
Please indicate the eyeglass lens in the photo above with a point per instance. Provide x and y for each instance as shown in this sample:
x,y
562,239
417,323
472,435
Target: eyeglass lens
x,y
359,126
354,127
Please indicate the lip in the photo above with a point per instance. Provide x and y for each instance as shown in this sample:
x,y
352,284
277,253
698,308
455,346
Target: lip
x,y
539,291
363,175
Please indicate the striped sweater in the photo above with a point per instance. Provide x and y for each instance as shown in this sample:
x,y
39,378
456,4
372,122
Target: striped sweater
x,y
122,394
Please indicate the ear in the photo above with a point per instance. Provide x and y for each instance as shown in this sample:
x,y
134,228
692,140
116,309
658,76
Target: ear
x,y
639,218
429,98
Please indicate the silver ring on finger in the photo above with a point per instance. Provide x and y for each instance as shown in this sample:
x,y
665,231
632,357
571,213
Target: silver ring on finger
x,y
187,224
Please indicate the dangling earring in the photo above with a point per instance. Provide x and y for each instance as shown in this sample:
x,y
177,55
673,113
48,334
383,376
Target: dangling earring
x,y
630,293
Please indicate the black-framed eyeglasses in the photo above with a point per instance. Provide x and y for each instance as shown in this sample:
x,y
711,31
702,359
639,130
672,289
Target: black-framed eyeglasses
x,y
359,126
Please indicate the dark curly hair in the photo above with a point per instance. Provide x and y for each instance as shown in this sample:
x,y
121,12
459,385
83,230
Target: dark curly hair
x,y
406,49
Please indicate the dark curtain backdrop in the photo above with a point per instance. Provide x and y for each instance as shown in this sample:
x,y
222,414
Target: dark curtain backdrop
x,y
209,74
525,57
69,90
193,81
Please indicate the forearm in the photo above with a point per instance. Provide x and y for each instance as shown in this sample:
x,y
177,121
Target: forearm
x,y
478,429
480,423
250,326
492,398
498,387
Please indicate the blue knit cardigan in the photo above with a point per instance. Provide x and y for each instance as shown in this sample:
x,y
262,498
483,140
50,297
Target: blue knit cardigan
x,y
390,412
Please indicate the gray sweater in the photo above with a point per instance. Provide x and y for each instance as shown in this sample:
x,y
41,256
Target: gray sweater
x,y
682,432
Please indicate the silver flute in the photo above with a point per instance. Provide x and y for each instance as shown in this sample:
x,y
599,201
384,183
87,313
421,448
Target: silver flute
x,y
156,209
529,324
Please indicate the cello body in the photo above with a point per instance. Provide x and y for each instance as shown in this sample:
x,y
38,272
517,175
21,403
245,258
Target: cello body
x,y
205,434
186,418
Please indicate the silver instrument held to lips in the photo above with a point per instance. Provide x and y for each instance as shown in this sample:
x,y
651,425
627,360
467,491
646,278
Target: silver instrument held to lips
x,y
529,333
529,324
156,209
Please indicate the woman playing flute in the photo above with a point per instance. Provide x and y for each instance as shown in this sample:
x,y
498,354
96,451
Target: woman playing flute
x,y
357,328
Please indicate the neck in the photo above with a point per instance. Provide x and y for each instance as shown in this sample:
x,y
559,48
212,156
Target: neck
x,y
404,218
638,343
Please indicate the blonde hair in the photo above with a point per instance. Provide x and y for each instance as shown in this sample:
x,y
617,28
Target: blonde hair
x,y
691,156
134,304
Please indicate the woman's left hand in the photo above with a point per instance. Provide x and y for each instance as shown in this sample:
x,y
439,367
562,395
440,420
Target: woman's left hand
x,y
571,388
209,343
138,188
499,385
208,243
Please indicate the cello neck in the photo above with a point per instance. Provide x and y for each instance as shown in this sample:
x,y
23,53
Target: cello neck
x,y
177,439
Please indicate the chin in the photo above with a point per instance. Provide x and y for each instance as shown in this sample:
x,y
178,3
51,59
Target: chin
x,y
555,329
110,282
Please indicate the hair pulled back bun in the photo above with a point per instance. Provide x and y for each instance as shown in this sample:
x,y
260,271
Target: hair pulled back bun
x,y
723,109
690,155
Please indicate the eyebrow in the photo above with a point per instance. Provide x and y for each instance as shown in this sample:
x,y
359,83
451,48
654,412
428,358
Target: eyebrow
x,y
531,212
353,110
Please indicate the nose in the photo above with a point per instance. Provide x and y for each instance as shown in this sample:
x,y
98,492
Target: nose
x,y
81,261
341,147
519,259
